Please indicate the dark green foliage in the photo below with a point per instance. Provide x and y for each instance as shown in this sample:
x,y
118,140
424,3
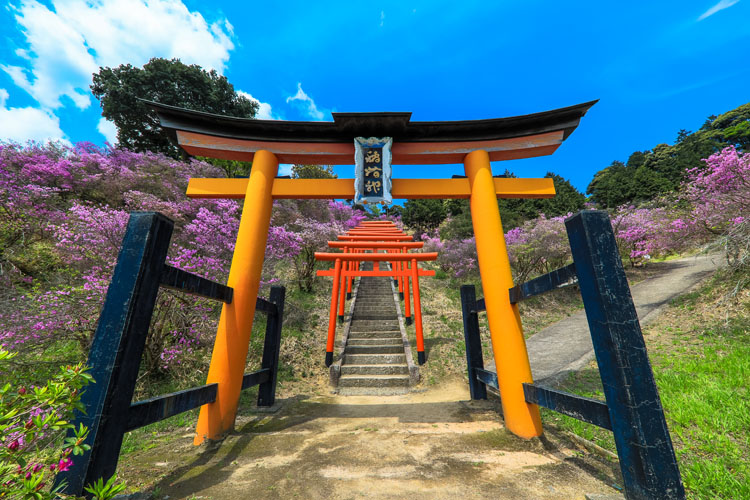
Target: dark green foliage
x,y
733,127
459,226
649,174
423,215
392,210
514,211
313,172
567,199
168,82
232,168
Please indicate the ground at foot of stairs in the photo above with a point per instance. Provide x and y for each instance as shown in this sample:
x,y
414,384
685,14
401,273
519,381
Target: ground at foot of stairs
x,y
434,444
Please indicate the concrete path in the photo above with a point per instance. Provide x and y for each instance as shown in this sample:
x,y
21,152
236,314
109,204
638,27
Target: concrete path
x,y
566,345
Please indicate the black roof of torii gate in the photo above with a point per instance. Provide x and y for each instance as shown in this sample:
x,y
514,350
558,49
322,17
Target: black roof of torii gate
x,y
228,137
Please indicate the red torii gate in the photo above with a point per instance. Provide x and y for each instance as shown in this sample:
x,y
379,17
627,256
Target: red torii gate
x,y
346,267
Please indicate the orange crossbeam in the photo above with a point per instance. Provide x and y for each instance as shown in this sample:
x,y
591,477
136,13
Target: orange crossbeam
x,y
392,274
344,188
398,245
374,238
376,257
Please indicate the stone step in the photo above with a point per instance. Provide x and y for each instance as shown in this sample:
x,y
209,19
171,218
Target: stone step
x,y
374,349
374,381
368,334
377,341
373,317
374,359
391,369
374,325
380,313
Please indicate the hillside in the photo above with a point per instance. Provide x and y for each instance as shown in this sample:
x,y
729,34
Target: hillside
x,y
661,170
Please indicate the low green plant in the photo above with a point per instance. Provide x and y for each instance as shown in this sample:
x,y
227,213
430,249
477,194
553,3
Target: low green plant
x,y
104,491
37,439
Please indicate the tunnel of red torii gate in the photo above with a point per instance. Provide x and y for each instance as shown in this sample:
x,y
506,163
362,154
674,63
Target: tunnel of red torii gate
x,y
266,143
376,242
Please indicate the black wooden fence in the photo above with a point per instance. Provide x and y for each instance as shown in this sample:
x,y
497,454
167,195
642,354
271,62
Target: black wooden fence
x,y
633,410
115,355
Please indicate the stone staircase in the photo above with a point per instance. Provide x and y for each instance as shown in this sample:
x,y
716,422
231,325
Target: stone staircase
x,y
376,358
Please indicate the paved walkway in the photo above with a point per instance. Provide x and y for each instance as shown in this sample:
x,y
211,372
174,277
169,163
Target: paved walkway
x,y
566,346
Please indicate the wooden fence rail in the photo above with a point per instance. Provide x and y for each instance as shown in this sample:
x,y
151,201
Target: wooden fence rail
x,y
118,344
633,410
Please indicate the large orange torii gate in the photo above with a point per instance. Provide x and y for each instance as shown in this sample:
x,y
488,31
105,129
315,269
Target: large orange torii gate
x,y
475,143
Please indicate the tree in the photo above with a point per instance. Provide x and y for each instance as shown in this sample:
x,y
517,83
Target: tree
x,y
567,198
606,188
423,215
734,127
459,225
313,172
233,168
392,210
649,174
168,82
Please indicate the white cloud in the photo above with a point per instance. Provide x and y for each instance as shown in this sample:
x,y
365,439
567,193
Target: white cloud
x,y
264,109
307,103
723,4
70,41
108,130
27,124
382,17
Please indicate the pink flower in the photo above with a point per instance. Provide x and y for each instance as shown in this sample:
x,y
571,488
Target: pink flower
x,y
64,464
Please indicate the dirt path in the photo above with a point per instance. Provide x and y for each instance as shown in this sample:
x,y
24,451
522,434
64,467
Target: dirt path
x,y
434,444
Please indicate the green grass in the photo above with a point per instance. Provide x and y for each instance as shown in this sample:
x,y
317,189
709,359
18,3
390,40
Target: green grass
x,y
702,370
706,398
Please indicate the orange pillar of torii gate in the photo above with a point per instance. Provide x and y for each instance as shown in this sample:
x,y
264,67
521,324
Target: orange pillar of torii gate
x,y
475,143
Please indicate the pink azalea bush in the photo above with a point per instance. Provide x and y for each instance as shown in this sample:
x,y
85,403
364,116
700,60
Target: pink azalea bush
x,y
719,192
713,202
67,208
458,258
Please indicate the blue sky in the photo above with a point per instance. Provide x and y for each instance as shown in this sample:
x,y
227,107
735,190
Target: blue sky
x,y
656,66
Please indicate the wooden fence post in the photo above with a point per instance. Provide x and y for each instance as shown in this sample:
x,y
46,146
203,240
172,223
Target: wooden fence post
x,y
473,341
271,345
117,347
647,459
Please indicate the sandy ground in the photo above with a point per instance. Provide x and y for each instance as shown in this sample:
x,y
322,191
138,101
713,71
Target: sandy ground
x,y
434,444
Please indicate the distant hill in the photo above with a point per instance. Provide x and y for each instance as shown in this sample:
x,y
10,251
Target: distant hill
x,y
647,174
